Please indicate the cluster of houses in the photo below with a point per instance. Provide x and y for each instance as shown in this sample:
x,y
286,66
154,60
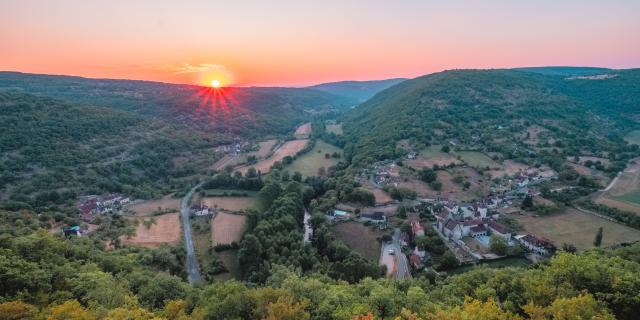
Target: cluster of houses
x,y
521,181
458,221
382,173
92,205
234,148
201,209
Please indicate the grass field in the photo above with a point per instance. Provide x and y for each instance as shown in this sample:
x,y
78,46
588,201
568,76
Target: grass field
x,y
165,230
227,228
309,163
360,238
230,260
201,235
303,131
148,207
633,137
624,194
577,228
289,148
431,156
334,128
228,192
234,204
477,159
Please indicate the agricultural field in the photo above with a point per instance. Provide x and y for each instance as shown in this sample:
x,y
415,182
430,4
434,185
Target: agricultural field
x,y
478,185
577,228
360,238
533,133
289,148
624,193
228,192
164,230
264,149
227,228
303,131
309,163
594,174
380,195
334,128
431,156
150,207
233,204
633,137
477,159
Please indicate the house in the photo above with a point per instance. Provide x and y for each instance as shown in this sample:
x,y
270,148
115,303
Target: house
x,y
416,261
417,229
498,229
539,245
375,218
71,231
453,230
477,231
338,215
201,210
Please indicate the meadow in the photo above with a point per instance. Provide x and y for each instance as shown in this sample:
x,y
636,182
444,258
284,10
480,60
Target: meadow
x,y
309,163
360,238
334,128
577,228
159,230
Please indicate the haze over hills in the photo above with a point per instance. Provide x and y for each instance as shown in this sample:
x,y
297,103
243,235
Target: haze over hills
x,y
359,91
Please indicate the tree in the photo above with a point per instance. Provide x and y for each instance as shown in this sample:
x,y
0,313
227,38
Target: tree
x,y
445,149
70,310
287,309
436,185
598,240
498,245
428,175
527,202
448,261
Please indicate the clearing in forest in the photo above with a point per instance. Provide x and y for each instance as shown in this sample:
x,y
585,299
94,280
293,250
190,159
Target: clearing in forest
x,y
477,159
431,156
577,228
289,148
633,137
334,128
309,163
164,230
303,131
227,228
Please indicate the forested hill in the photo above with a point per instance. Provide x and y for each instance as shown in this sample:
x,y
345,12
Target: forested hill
x,y
358,91
244,111
495,110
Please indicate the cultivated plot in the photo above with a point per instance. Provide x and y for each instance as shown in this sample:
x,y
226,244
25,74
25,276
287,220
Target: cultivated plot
x,y
164,229
309,163
227,228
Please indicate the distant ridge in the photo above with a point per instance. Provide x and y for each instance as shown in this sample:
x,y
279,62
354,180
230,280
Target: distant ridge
x,y
564,70
359,91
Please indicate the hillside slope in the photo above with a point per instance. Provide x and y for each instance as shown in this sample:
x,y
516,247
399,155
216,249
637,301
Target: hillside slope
x,y
496,110
244,111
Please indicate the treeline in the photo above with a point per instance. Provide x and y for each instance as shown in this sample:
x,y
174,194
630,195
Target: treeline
x,y
44,276
275,237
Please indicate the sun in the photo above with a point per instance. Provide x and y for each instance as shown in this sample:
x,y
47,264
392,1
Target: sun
x,y
215,83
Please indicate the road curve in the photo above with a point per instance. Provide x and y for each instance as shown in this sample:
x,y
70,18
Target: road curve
x,y
193,270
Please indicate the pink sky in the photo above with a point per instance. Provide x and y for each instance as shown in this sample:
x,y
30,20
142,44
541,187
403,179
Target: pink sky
x,y
306,42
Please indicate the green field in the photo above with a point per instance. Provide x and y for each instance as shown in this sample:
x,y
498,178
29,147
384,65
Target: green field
x,y
633,137
434,152
501,263
309,163
229,192
477,159
631,197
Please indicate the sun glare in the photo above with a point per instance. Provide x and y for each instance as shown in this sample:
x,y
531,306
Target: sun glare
x,y
215,83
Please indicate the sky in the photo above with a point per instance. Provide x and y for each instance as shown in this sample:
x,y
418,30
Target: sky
x,y
300,42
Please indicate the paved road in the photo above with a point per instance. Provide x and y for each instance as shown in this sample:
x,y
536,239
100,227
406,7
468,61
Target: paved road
x,y
193,270
613,182
402,265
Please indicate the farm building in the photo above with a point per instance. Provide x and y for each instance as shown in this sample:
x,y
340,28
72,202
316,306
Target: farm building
x,y
375,218
537,245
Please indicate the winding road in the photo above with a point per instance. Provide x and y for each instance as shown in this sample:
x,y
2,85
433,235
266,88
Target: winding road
x,y
193,269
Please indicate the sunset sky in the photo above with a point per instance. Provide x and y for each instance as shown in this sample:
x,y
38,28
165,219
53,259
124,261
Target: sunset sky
x,y
299,42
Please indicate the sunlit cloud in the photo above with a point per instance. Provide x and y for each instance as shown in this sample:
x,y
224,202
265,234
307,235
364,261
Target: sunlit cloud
x,y
202,67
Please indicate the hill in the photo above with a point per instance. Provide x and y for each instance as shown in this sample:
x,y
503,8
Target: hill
x,y
243,111
52,151
565,71
522,115
358,91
